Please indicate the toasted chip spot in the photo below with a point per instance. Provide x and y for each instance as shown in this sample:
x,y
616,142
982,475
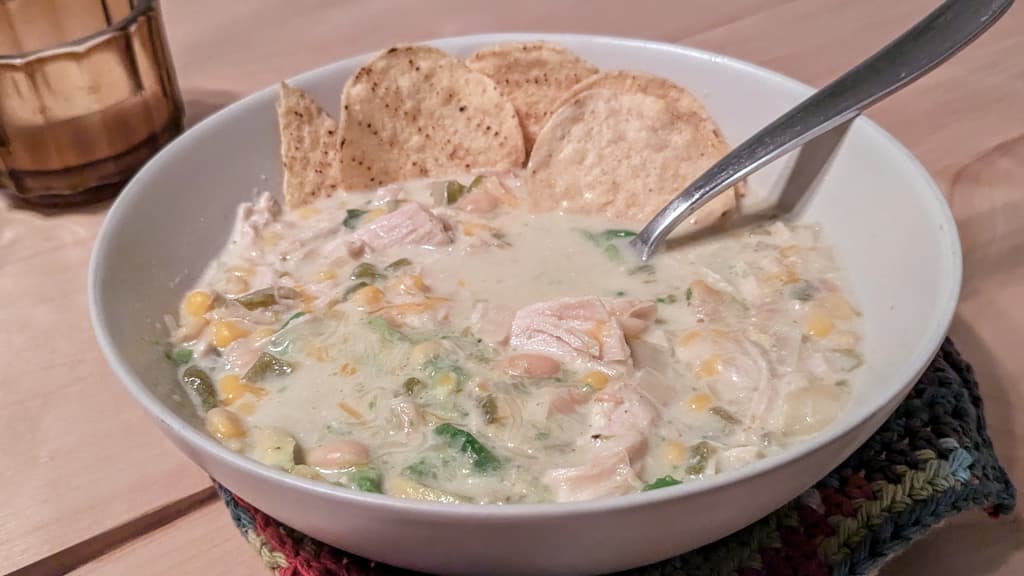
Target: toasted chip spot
x,y
623,148
416,112
309,148
534,76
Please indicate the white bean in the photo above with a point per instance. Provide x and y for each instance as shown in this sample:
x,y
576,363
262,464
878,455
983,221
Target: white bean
x,y
338,454
532,365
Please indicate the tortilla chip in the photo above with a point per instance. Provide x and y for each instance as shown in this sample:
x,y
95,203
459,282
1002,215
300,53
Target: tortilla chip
x,y
309,148
534,76
651,85
623,154
639,82
416,112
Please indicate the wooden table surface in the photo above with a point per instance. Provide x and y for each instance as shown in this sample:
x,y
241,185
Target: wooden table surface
x,y
90,485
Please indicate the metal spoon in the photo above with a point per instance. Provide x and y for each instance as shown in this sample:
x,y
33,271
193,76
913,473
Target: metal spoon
x,y
932,41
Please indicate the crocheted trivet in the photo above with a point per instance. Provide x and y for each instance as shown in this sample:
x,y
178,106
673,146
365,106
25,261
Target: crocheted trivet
x,y
931,460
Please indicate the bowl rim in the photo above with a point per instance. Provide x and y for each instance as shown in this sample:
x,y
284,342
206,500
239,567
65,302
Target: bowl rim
x,y
906,376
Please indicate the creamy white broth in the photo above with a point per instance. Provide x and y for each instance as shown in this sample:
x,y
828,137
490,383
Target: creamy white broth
x,y
578,371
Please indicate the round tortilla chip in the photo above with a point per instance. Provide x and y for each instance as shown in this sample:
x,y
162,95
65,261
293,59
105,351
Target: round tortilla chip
x,y
623,154
651,85
416,112
641,83
534,76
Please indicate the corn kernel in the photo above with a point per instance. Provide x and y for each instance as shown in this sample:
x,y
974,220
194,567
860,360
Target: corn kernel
x,y
675,452
447,381
596,380
471,229
308,212
373,215
224,424
700,401
368,297
411,284
246,408
231,388
225,332
263,333
818,324
198,302
348,369
424,351
838,306
708,367
325,275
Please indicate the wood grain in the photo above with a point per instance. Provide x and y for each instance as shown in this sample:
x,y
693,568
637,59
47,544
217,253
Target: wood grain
x,y
88,461
98,545
205,543
80,457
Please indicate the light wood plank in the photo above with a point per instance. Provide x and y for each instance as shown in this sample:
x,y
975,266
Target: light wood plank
x,y
204,542
97,545
80,456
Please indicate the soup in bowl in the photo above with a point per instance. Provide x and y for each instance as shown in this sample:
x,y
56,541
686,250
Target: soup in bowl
x,y
415,344
433,375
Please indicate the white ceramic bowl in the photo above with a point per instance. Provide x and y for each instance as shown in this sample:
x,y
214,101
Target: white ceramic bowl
x,y
885,216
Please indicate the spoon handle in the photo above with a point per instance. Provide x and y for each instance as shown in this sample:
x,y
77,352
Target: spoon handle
x,y
932,41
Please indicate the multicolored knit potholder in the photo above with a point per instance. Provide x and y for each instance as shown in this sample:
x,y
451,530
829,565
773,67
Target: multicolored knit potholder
x,y
931,460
